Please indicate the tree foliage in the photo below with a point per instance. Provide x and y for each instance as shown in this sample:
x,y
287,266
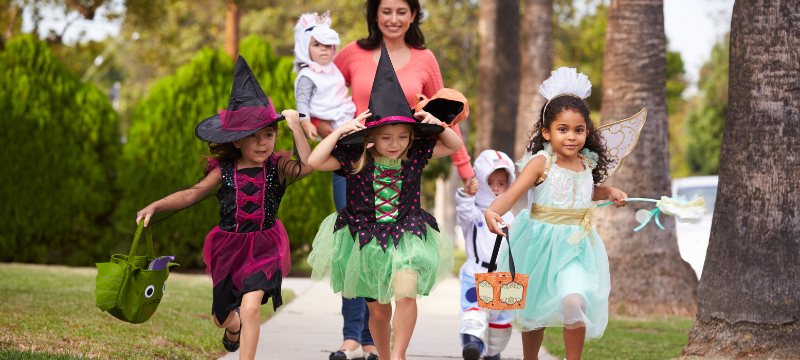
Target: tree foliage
x,y
60,146
706,121
163,154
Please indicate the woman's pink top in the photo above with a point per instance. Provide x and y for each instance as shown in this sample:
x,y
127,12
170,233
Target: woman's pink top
x,y
420,76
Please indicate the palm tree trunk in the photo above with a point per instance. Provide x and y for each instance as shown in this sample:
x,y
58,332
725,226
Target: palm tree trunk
x,y
232,29
749,296
647,272
536,52
486,65
506,74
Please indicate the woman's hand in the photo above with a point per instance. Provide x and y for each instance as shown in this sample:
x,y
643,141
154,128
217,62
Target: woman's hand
x,y
471,186
309,129
427,118
145,214
292,119
617,196
495,222
355,124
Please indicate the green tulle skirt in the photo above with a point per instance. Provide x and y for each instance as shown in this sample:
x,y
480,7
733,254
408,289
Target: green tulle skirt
x,y
413,269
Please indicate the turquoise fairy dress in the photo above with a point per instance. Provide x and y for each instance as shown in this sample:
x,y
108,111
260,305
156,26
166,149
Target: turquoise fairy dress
x,y
554,244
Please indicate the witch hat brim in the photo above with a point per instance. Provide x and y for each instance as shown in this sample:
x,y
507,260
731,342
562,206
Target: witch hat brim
x,y
388,105
245,92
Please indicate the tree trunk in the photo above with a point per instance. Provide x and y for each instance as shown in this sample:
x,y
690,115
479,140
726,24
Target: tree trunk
x,y
232,29
486,70
537,60
648,275
12,23
749,296
506,75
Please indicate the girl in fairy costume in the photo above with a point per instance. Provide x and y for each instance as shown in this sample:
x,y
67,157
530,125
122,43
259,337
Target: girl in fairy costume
x,y
382,245
247,255
553,240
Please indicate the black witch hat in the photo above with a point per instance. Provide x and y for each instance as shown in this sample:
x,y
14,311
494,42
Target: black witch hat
x,y
388,105
249,110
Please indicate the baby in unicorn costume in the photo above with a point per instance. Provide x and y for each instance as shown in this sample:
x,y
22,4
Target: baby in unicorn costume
x,y
319,88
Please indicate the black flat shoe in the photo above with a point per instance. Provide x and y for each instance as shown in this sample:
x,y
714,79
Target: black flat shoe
x,y
229,345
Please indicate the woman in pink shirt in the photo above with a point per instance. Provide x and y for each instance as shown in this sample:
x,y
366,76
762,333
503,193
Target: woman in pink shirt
x,y
397,24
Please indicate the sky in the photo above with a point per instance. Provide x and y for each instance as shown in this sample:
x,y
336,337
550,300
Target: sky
x,y
692,26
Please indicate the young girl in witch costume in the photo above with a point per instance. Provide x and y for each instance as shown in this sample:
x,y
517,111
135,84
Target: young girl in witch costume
x,y
383,245
553,240
247,255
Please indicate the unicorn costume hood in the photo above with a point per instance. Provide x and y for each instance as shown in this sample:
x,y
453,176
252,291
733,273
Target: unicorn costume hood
x,y
319,27
486,163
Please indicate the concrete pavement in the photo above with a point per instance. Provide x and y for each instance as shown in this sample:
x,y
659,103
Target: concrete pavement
x,y
310,327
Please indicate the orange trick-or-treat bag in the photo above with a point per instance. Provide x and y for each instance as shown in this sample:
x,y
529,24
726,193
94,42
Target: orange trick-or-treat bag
x,y
501,290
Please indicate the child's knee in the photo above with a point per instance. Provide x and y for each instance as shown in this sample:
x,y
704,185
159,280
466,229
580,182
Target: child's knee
x,y
573,303
250,309
227,321
380,312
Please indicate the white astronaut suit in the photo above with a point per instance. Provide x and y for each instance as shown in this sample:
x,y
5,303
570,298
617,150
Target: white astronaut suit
x,y
491,327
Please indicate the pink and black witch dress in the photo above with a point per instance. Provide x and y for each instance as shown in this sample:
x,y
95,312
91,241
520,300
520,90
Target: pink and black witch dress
x,y
249,250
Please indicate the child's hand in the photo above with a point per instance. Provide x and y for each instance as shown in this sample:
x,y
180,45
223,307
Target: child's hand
x,y
292,118
355,124
492,221
427,118
309,129
618,197
145,214
471,186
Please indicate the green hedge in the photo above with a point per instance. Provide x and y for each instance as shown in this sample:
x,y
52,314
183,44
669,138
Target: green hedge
x,y
162,153
60,147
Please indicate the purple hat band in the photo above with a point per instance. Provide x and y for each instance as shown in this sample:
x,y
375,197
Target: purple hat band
x,y
247,118
390,118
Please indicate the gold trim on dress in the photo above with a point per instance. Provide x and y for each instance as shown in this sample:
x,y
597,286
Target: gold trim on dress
x,y
575,217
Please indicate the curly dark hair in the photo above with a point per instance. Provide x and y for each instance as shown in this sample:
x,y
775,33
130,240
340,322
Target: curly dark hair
x,y
414,36
594,141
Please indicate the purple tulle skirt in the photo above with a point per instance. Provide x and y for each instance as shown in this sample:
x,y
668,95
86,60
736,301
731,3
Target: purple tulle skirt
x,y
243,254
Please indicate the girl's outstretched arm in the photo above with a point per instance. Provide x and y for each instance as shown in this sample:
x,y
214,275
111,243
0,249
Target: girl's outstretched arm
x,y
532,172
449,142
303,149
321,159
610,193
181,199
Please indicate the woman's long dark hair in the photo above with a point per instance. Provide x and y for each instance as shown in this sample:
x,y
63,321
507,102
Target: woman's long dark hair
x,y
594,141
414,36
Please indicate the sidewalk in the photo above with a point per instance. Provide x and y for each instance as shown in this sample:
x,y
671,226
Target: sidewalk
x,y
310,327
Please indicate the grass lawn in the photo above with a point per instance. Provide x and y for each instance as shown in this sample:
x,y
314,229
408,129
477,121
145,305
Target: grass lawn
x,y
653,338
51,309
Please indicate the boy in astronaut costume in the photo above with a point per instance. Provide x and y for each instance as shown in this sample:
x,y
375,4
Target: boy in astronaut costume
x,y
483,332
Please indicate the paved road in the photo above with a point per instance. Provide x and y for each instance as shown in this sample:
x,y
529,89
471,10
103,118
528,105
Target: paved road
x,y
310,327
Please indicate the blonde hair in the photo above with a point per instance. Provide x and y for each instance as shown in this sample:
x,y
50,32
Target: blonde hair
x,y
359,164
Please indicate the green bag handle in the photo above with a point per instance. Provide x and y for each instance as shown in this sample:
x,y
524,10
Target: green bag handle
x,y
136,237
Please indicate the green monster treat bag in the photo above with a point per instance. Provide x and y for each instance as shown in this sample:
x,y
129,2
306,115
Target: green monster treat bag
x,y
131,287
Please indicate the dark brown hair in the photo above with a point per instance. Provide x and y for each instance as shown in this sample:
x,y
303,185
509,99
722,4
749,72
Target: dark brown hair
x,y
414,36
228,151
594,141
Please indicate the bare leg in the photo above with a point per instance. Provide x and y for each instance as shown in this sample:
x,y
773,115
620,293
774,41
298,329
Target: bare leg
x,y
574,334
232,323
380,317
251,323
531,342
350,345
573,341
403,322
